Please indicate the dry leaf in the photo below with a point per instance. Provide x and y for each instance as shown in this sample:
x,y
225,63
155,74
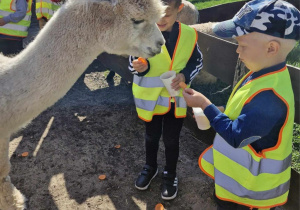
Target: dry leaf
x,y
81,118
118,146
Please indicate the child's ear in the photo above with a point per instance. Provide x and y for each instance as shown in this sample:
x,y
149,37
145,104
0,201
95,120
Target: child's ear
x,y
180,7
273,47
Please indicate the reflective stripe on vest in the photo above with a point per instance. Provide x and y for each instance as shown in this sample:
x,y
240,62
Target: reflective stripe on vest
x,y
5,13
19,29
162,101
242,175
46,8
151,96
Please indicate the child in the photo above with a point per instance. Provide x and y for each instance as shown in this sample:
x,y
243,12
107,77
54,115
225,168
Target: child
x,y
15,19
250,159
45,9
164,114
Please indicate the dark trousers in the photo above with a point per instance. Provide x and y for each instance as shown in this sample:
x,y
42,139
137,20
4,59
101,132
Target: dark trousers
x,y
10,47
225,205
170,127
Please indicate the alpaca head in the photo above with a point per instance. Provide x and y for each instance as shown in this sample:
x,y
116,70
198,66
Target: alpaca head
x,y
124,26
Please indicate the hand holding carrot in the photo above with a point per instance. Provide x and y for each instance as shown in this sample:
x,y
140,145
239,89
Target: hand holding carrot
x,y
175,82
182,85
195,99
140,64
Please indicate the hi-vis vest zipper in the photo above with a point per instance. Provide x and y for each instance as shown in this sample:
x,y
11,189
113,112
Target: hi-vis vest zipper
x,y
243,176
150,95
45,8
19,29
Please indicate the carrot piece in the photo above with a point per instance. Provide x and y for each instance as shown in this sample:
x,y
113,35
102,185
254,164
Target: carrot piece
x,y
25,154
159,206
102,177
143,60
118,146
182,85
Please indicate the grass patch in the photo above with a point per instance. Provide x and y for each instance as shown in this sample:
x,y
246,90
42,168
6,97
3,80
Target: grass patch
x,y
296,148
294,56
202,4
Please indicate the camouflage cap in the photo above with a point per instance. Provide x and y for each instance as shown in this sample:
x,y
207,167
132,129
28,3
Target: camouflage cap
x,y
273,17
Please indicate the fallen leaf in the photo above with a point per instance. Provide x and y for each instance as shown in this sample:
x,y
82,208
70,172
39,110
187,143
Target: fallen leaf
x,y
118,146
81,118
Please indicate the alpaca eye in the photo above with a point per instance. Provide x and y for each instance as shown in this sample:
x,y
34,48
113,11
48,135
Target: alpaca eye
x,y
136,21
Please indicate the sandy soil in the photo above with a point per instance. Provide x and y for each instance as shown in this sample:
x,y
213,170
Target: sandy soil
x,y
73,142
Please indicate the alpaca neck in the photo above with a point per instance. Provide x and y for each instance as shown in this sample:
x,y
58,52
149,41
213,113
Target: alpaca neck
x,y
43,73
68,49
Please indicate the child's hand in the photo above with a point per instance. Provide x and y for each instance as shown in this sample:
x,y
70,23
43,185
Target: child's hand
x,y
139,66
221,108
175,82
195,99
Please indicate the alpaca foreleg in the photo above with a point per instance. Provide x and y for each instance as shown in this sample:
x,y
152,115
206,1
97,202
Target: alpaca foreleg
x,y
10,197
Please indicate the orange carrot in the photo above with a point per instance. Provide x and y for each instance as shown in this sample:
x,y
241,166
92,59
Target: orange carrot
x,y
102,177
159,206
25,154
182,85
143,60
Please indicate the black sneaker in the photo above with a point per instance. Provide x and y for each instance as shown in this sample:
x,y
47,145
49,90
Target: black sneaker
x,y
169,186
144,179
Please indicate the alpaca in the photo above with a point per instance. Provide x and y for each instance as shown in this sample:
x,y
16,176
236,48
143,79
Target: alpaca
x,y
41,74
189,14
121,64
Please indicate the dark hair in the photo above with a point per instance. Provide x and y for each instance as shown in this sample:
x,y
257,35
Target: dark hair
x,y
59,2
177,2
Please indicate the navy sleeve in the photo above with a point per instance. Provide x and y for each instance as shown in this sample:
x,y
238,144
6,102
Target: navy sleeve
x,y
193,66
19,14
133,71
261,118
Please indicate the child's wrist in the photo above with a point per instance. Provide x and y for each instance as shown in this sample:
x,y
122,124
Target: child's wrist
x,y
205,104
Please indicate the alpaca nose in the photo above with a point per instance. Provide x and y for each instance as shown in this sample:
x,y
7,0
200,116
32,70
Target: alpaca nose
x,y
159,44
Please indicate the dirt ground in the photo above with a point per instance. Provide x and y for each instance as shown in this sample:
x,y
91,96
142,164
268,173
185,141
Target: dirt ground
x,y
73,142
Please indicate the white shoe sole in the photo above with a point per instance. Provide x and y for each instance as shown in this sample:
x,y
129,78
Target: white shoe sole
x,y
170,198
146,187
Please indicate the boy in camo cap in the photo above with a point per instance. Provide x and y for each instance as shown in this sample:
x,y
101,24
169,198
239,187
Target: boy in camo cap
x,y
250,159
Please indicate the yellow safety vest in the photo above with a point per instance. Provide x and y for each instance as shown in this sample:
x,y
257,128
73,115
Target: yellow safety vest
x,y
45,8
242,175
150,95
19,29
